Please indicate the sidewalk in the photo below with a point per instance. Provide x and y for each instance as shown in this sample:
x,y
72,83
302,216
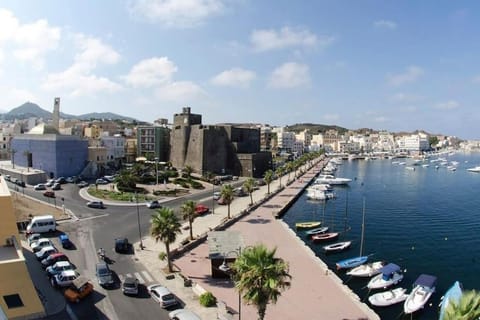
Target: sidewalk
x,y
314,289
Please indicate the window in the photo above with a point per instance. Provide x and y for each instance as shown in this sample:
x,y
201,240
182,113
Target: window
x,y
13,301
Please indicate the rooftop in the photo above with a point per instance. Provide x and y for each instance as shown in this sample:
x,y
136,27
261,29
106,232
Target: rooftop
x,y
220,243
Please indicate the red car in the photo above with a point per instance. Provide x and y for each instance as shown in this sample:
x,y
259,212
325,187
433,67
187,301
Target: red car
x,y
49,194
201,209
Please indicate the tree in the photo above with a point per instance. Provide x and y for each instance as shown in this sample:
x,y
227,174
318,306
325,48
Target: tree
x,y
165,227
188,171
227,194
279,172
268,177
260,277
126,180
249,186
290,167
467,308
188,209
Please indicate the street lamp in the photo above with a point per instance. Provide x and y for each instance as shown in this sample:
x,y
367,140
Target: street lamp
x,y
156,168
138,221
225,268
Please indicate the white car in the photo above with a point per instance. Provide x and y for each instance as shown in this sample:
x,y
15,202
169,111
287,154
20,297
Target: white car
x,y
45,252
183,314
32,238
58,267
40,186
64,278
216,195
153,204
40,243
162,295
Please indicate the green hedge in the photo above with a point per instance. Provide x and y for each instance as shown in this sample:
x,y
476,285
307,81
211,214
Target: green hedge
x,y
207,299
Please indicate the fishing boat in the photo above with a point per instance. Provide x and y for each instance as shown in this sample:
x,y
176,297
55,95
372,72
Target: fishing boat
x,y
367,270
355,261
339,246
389,275
423,289
387,298
307,224
325,236
317,231
452,295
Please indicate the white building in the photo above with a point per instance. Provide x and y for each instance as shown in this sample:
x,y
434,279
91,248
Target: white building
x,y
285,139
415,142
115,146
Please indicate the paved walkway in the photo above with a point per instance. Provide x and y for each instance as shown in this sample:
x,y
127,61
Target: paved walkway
x,y
314,290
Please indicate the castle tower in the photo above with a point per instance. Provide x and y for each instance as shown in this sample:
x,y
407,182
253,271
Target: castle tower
x,y
56,113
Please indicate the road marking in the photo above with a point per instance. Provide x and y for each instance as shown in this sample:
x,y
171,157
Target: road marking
x,y
147,276
94,217
139,277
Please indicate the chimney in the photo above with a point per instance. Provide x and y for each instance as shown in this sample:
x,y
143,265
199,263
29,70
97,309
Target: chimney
x,y
56,113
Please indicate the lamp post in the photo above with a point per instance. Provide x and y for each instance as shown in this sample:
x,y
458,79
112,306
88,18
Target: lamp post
x,y
156,168
138,221
225,268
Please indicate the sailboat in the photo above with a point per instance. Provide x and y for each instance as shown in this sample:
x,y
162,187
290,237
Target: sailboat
x,y
356,261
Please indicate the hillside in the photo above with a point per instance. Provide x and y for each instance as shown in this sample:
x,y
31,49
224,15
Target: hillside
x,y
314,128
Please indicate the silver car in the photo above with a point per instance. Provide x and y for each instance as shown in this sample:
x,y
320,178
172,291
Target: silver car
x,y
130,286
104,275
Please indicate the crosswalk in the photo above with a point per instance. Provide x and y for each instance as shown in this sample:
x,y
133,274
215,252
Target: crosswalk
x,y
142,276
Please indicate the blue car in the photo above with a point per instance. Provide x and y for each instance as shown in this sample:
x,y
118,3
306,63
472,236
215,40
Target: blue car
x,y
65,241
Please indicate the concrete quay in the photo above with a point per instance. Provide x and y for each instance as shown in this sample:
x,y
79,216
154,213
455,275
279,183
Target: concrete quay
x,y
315,292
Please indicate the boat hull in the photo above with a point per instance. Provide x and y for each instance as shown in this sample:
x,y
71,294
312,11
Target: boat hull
x,y
336,247
388,298
351,263
417,299
366,270
378,282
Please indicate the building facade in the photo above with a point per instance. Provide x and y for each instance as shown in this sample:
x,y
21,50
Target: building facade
x,y
153,142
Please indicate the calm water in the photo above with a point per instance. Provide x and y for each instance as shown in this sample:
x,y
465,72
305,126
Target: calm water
x,y
426,221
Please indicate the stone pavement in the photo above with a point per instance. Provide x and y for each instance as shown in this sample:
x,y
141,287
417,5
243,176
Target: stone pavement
x,y
314,291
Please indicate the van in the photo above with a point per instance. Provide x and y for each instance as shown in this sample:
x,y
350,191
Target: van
x,y
40,224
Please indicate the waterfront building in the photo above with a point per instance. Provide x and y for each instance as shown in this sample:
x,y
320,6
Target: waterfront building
x,y
285,140
306,137
18,297
266,136
416,143
331,138
153,142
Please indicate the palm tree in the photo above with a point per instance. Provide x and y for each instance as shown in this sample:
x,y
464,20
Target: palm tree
x,y
188,209
467,308
227,194
165,227
126,180
268,177
188,171
289,169
279,172
260,277
249,186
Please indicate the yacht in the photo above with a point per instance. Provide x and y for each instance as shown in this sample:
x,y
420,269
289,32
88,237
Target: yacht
x,y
330,179
320,192
474,169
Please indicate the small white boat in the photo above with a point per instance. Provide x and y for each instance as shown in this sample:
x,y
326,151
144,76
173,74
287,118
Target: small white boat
x,y
425,165
387,298
339,246
390,275
410,168
317,231
423,290
330,179
319,192
367,270
474,169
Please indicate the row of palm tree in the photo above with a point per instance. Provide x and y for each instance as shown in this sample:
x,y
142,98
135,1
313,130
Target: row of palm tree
x,y
259,276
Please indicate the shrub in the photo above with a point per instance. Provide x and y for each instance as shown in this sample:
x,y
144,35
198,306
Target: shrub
x,y
207,299
196,185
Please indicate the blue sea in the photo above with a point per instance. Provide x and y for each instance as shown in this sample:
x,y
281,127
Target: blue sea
x,y
426,221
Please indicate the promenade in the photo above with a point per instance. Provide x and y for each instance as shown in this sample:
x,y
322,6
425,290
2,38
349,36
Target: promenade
x,y
315,291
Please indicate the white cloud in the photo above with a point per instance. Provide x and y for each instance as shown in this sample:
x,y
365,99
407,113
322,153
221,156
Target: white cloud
x,y
12,97
401,97
177,13
264,40
78,79
30,42
150,72
385,24
331,117
235,77
290,75
410,75
181,92
448,105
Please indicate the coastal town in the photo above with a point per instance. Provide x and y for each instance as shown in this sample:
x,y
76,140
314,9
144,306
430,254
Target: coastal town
x,y
239,180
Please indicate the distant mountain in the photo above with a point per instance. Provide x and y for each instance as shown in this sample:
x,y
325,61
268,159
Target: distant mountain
x,y
32,110
314,128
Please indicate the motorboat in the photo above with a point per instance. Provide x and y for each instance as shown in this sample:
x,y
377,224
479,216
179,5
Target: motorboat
x,y
389,275
387,298
319,192
423,289
351,262
308,224
339,246
410,168
324,236
330,179
317,231
452,295
474,169
367,270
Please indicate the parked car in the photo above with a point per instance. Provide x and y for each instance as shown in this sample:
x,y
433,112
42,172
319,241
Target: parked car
x,y
56,186
261,182
41,243
82,184
183,314
64,278
20,183
101,181
45,252
201,209
40,186
54,258
79,289
50,182
217,195
95,204
8,177
221,201
104,275
49,194
61,180
130,286
108,178
153,204
162,295
65,241
32,238
239,192
58,267
122,245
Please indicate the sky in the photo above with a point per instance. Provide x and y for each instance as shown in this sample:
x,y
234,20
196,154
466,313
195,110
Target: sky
x,y
385,65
